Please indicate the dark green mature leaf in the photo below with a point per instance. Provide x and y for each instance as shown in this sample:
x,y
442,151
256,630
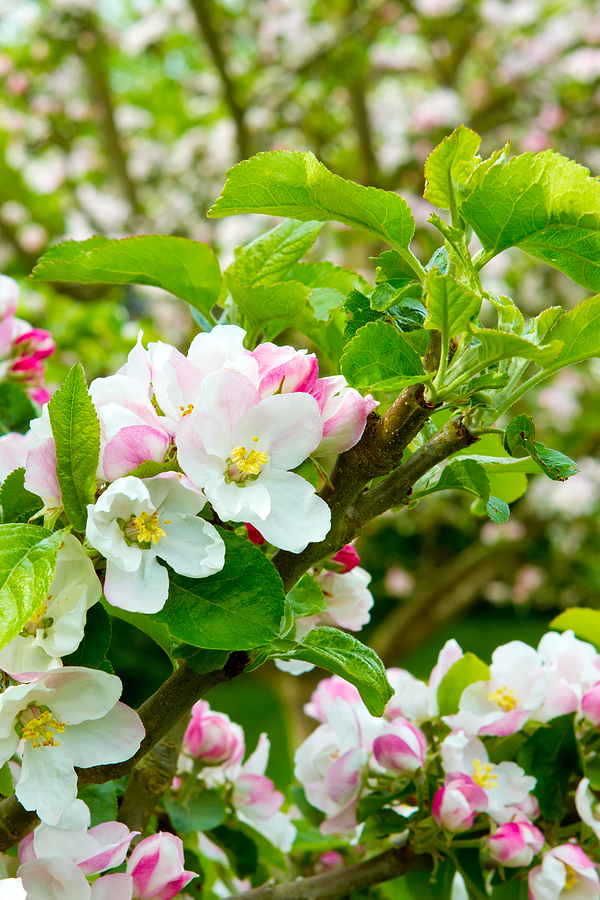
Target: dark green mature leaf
x,y
102,801
155,630
520,432
239,608
15,500
296,185
422,885
584,622
27,563
16,409
267,852
379,354
306,597
545,204
188,269
449,167
464,672
358,313
381,824
76,432
96,640
240,849
201,813
551,756
343,655
270,256
201,661
313,815
450,307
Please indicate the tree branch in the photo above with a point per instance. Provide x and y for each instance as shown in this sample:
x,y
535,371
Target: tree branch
x,y
342,882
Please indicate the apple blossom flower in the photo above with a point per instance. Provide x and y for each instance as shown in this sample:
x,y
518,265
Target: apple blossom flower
x,y
56,628
326,693
517,688
156,867
347,557
454,805
36,343
67,717
504,784
114,886
40,465
212,738
348,599
562,869
13,451
92,849
401,748
344,412
570,666
590,705
414,699
284,370
515,843
55,877
9,296
587,806
137,520
12,889
239,448
29,372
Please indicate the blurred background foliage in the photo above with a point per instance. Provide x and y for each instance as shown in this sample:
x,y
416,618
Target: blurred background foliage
x,y
122,116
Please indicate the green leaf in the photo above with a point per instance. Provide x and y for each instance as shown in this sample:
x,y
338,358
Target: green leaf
x,y
313,815
188,269
15,500
579,333
450,165
545,204
465,671
498,510
358,313
6,782
149,468
422,885
324,301
502,465
102,801
27,563
16,409
155,630
310,840
267,258
584,622
392,267
450,307
491,346
306,597
343,655
239,608
201,661
381,354
201,813
240,849
551,756
95,641
325,274
520,432
464,475
263,303
267,851
76,432
381,824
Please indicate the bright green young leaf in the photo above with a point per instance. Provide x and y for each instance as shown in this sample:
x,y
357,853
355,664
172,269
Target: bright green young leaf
x,y
579,333
16,409
149,468
238,608
6,782
324,300
27,563
449,167
325,274
310,840
76,432
188,269
463,475
393,269
342,654
155,630
465,671
450,306
379,353
96,640
262,303
358,313
505,465
270,256
510,317
545,204
15,500
491,346
306,597
296,185
520,432
584,622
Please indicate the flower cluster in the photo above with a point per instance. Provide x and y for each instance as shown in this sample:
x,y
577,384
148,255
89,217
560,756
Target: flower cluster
x,y
448,775
225,425
22,348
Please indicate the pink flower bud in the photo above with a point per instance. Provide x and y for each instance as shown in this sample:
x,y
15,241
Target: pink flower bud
x,y
515,843
212,738
326,693
156,867
454,805
284,370
564,868
330,861
402,749
255,795
590,705
254,535
36,343
344,412
347,557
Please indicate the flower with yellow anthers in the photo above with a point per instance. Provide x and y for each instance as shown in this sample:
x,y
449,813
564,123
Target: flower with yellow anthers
x,y
137,522
484,775
56,627
244,464
65,718
504,697
566,871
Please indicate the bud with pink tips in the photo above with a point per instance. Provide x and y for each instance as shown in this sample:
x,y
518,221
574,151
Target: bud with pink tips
x,y
344,413
565,872
515,843
212,739
454,805
590,705
156,867
402,749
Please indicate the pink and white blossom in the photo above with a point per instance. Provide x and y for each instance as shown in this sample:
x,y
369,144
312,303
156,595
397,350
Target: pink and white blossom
x,y
587,806
590,705
326,693
67,717
344,413
14,448
12,889
402,748
239,449
564,869
570,666
56,878
137,521
454,805
515,843
414,699
348,598
347,558
40,465
284,370
156,867
212,738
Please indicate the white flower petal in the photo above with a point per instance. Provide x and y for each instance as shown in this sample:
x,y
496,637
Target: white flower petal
x,y
298,516
145,590
289,428
192,547
54,879
224,398
113,738
81,693
48,783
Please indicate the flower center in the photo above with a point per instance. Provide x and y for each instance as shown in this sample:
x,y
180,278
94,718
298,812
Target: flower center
x,y
35,624
244,465
484,775
39,726
505,699
145,528
571,880
186,410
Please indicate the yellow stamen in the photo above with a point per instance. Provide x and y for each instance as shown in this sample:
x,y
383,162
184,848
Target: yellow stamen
x,y
39,613
186,410
571,877
41,729
249,463
148,528
484,775
505,699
